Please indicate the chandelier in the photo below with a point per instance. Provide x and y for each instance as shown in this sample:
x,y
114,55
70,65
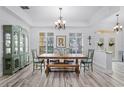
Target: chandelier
x,y
118,27
60,23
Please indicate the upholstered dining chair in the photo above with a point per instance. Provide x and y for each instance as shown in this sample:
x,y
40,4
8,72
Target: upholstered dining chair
x,y
66,52
88,61
36,61
55,60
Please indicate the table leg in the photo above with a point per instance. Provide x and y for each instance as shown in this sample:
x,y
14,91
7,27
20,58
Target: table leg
x,y
76,60
47,70
77,71
48,61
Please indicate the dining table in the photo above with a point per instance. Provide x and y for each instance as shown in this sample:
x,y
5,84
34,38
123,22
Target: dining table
x,y
75,57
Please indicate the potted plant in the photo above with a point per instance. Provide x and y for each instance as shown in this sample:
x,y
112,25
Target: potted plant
x,y
111,43
100,43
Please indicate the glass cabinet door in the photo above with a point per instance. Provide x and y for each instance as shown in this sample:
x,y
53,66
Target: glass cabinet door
x,y
22,43
26,44
15,36
8,43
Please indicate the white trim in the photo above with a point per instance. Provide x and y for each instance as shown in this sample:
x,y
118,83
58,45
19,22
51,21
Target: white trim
x,y
116,60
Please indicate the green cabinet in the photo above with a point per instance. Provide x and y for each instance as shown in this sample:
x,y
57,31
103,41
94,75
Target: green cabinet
x,y
15,51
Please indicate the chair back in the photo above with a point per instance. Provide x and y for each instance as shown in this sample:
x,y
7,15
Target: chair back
x,y
90,55
34,54
66,51
59,51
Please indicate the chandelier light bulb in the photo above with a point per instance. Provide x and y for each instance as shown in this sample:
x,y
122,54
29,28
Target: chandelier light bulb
x,y
117,26
64,21
59,21
56,23
114,28
121,27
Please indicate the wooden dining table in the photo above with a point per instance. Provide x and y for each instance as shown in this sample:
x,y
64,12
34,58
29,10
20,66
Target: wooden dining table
x,y
76,57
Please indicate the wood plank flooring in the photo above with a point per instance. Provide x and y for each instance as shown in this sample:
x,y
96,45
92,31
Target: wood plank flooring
x,y
25,78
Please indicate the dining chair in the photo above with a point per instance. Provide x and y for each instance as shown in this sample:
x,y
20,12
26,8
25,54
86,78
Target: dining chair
x,y
66,52
36,61
88,60
54,60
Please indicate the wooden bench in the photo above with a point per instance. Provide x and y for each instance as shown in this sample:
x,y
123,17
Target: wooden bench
x,y
76,66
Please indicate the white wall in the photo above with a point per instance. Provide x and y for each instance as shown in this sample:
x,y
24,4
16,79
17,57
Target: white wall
x,y
7,18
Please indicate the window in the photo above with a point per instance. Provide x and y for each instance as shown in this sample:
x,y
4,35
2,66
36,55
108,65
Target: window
x,y
50,41
46,43
75,43
42,43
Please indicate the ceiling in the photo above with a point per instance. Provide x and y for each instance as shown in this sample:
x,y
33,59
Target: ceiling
x,y
74,15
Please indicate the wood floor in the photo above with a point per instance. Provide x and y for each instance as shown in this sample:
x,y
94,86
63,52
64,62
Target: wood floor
x,y
25,78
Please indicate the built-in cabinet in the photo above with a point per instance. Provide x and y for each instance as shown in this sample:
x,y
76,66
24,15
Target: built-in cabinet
x,y
15,48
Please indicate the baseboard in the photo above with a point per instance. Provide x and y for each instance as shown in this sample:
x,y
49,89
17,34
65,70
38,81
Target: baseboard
x,y
116,60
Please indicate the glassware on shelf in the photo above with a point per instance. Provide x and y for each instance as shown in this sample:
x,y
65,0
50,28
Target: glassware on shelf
x,y
26,44
21,49
8,36
8,50
8,42
16,37
16,50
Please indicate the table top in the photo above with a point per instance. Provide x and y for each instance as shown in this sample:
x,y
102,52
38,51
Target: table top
x,y
62,56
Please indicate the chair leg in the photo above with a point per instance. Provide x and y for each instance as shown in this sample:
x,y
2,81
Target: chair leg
x,y
33,67
88,66
80,65
41,67
92,67
36,65
44,64
84,67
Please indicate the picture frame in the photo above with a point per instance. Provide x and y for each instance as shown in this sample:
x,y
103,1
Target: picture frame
x,y
61,41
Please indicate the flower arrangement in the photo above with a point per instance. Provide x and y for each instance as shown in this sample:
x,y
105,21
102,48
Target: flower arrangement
x,y
100,43
111,43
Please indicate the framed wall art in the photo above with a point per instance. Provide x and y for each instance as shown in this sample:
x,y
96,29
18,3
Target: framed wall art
x,y
61,41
